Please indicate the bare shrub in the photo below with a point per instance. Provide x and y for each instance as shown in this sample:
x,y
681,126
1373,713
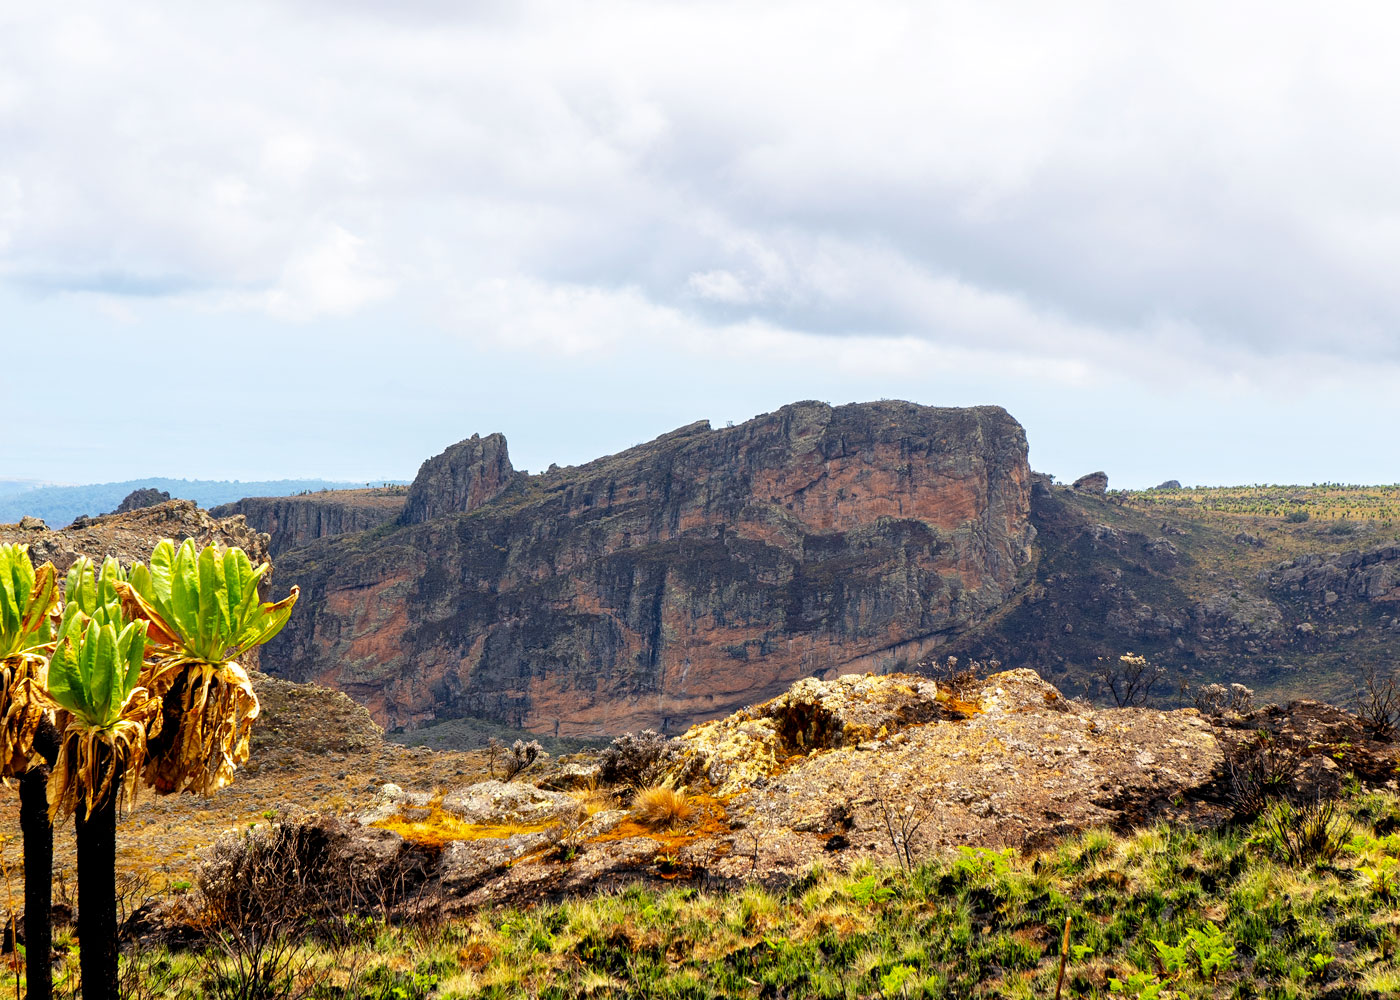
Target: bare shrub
x,y
960,678
1129,679
252,887
1258,769
902,818
266,890
520,758
661,808
1216,700
1378,705
638,760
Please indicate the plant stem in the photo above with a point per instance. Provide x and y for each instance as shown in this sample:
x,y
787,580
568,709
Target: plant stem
x,y
38,864
97,898
1064,955
38,881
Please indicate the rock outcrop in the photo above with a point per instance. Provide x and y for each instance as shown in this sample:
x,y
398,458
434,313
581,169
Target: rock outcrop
x,y
1002,762
132,536
1094,482
1370,575
299,520
461,479
137,499
672,582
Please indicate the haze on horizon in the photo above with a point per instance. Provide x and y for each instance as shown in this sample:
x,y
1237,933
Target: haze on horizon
x,y
316,239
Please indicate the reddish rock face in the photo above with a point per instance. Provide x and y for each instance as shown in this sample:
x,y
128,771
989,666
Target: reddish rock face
x,y
673,582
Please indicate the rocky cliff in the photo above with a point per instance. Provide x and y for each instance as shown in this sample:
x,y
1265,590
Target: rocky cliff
x,y
673,582
461,479
298,520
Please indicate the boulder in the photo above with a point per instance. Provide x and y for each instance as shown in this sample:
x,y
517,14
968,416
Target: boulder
x,y
1094,482
137,499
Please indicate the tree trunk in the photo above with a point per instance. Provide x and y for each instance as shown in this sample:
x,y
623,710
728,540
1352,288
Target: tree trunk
x,y
38,881
38,865
97,899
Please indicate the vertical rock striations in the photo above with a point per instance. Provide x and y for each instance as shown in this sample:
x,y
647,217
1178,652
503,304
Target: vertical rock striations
x,y
461,479
299,520
672,582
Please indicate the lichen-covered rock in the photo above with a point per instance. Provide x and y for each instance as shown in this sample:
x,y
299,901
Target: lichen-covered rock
x,y
499,802
745,748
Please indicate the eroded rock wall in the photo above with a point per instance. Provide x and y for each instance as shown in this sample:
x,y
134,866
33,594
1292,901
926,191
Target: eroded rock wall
x,y
675,581
298,520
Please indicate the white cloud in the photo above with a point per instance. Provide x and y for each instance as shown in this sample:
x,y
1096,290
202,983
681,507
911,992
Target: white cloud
x,y
1198,189
334,277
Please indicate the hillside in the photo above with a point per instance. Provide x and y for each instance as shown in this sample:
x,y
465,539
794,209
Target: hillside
x,y
1213,585
854,838
672,582
57,506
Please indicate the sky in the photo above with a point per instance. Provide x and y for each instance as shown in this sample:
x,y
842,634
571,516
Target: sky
x,y
331,237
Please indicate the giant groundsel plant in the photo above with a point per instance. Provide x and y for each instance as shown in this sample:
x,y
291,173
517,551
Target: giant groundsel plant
x,y
94,676
28,601
204,612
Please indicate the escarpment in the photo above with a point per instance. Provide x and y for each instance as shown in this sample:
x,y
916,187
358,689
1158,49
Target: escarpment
x,y
673,582
298,520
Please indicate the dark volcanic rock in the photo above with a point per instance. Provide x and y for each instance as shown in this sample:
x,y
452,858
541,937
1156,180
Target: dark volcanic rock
x,y
297,520
1372,575
675,581
137,499
461,479
1170,484
1094,482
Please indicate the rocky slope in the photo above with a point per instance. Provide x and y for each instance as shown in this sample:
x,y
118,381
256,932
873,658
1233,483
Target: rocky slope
x,y
299,520
839,773
1291,609
672,582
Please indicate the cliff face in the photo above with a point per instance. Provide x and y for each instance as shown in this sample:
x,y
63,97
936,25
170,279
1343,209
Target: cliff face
x,y
675,581
299,520
461,479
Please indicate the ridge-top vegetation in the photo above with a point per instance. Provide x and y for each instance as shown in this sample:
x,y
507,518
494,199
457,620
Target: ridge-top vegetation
x,y
1322,501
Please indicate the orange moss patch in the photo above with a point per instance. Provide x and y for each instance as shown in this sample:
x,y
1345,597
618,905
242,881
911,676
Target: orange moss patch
x,y
960,707
710,820
439,828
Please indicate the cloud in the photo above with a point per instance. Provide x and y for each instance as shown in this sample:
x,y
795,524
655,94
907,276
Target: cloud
x,y
1195,189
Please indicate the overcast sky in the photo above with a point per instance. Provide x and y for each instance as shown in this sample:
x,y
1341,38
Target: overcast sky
x,y
329,238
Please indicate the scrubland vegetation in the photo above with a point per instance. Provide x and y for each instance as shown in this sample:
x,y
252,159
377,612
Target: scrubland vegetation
x,y
1324,502
1252,910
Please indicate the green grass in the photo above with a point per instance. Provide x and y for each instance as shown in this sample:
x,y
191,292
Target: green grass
x,y
1167,909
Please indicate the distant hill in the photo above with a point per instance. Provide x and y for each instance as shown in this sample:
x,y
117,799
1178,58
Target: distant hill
x,y
59,505
9,487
